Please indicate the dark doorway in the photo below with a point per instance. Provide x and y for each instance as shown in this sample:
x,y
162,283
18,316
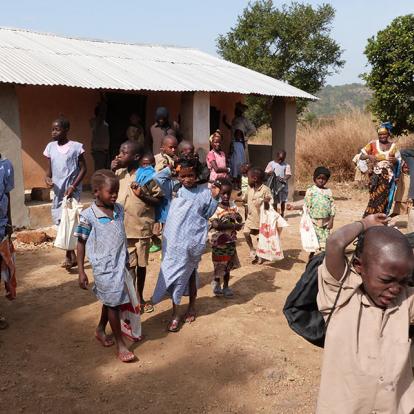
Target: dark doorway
x,y
214,119
120,107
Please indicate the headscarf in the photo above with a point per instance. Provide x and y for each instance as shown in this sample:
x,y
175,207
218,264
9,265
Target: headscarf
x,y
144,175
385,126
321,171
161,112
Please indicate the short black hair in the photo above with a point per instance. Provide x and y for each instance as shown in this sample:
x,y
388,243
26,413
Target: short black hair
x,y
321,170
135,146
225,182
102,177
257,171
167,138
63,122
149,155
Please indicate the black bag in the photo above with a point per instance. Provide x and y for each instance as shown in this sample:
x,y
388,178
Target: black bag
x,y
276,185
301,309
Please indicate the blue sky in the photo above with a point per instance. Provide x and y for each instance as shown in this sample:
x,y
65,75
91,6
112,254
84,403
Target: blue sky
x,y
193,23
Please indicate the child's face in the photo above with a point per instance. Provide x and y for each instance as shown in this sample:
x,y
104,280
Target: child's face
x,y
321,180
126,156
187,177
187,151
161,121
169,147
216,144
108,193
238,134
405,169
384,277
58,133
225,194
244,168
280,157
146,162
254,179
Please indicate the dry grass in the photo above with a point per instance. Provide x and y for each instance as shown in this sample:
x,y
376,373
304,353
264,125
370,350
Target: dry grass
x,y
332,143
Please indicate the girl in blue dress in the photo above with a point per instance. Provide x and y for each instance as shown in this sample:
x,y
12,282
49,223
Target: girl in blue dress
x,y
184,237
65,172
101,234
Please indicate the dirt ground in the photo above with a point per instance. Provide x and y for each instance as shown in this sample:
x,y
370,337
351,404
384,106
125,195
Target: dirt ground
x,y
238,357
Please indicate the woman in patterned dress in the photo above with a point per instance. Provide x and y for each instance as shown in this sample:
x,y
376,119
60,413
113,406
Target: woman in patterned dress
x,y
383,154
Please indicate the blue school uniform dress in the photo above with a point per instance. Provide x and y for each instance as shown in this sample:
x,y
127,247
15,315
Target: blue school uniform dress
x,y
6,185
106,248
65,168
184,240
166,183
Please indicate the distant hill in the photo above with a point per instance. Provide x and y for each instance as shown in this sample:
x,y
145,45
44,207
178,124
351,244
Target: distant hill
x,y
342,98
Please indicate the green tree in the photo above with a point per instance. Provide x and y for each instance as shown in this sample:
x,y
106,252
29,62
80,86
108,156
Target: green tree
x,y
391,57
292,43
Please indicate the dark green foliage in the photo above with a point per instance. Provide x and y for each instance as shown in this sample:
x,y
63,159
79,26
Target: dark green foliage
x,y
391,56
292,43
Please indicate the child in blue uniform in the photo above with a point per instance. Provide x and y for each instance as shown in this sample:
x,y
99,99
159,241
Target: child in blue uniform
x,y
184,237
65,172
101,233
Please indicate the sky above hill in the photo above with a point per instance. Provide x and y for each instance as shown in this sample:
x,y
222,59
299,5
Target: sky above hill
x,y
193,23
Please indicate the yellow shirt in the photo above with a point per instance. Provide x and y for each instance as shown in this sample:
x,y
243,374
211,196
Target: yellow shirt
x,y
366,364
254,200
139,216
162,160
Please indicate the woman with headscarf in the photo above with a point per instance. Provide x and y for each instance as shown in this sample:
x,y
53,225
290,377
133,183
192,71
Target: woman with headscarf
x,y
382,153
161,129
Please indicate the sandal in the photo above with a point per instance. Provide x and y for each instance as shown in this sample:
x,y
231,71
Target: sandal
x,y
107,342
228,293
147,307
126,356
67,264
3,323
174,325
190,317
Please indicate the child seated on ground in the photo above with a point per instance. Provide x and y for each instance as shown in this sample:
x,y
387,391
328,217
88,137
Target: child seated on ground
x,y
224,224
184,238
101,234
257,194
366,364
139,194
282,173
320,206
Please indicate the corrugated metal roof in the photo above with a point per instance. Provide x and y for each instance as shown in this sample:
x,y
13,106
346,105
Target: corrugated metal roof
x,y
46,59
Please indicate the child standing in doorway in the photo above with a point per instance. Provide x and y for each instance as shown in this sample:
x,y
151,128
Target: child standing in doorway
x,y
184,238
139,195
237,156
257,194
65,172
282,172
101,235
216,159
224,225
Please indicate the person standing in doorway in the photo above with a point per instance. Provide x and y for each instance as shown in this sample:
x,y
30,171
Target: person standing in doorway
x,y
135,131
162,128
100,137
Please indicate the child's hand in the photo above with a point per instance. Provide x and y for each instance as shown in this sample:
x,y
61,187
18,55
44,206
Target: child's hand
x,y
329,226
136,189
83,280
115,164
373,220
69,191
289,207
49,182
238,226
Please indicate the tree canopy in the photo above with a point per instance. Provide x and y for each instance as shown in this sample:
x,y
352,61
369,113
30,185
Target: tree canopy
x,y
292,43
391,56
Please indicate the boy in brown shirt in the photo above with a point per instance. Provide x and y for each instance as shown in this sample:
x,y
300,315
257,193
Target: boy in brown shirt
x,y
167,155
257,194
139,204
367,363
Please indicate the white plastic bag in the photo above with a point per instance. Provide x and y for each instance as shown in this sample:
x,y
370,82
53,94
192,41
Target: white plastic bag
x,y
307,233
68,222
130,312
268,246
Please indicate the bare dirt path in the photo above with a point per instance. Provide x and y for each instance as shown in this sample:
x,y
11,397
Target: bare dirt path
x,y
238,357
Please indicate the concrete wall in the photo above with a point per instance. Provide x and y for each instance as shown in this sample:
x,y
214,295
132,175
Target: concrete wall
x,y
284,132
39,106
10,147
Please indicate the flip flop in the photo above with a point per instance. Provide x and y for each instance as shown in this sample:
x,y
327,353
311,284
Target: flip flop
x,y
147,307
190,317
174,325
107,342
3,323
126,356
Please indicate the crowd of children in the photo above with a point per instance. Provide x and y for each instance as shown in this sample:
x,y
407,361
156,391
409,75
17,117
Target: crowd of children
x,y
368,300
